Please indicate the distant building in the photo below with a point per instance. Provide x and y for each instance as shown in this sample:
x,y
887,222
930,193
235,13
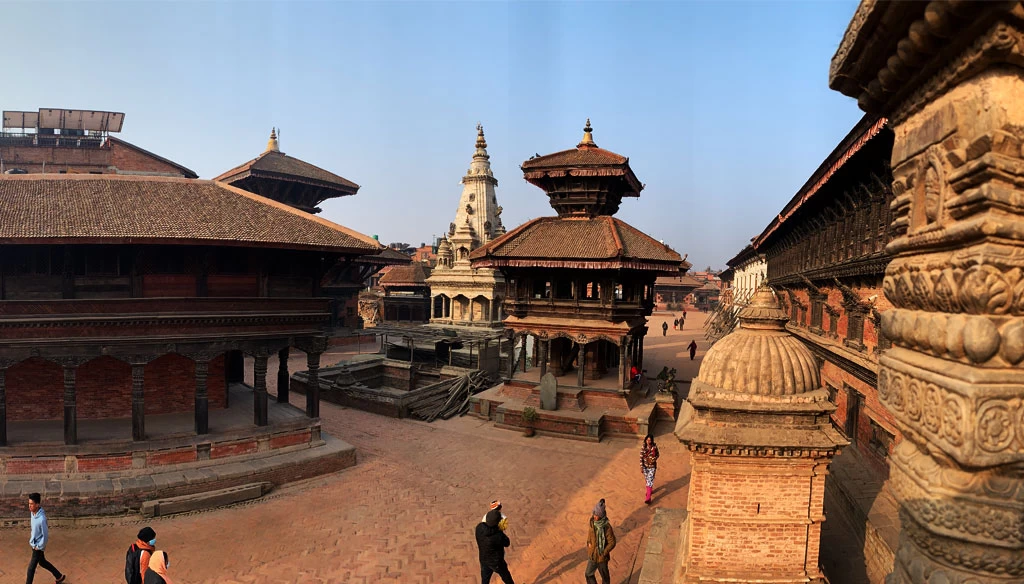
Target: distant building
x,y
59,141
463,295
406,295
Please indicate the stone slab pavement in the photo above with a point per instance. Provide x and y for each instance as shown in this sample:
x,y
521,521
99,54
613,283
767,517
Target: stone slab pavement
x,y
406,512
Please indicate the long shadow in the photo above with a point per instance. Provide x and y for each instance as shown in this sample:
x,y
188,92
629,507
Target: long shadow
x,y
844,532
578,559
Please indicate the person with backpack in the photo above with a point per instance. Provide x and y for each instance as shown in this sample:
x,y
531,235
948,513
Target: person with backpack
x,y
491,541
136,559
156,573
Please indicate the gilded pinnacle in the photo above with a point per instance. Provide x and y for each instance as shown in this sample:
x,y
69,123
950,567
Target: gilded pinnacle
x,y
480,142
272,144
588,138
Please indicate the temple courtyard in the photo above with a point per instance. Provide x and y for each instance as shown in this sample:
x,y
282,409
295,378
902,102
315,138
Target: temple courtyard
x,y
407,510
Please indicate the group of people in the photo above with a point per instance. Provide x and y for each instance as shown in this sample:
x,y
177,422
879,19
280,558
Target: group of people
x,y
144,564
492,541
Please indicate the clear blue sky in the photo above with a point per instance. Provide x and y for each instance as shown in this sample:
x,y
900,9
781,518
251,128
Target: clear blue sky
x,y
722,107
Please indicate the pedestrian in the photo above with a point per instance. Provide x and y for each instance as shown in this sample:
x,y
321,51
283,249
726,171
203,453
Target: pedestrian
x,y
682,321
496,506
40,535
664,328
600,543
649,464
675,324
136,559
156,573
491,541
692,348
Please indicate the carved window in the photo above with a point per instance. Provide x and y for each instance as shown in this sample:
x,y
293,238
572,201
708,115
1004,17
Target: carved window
x,y
853,404
833,323
881,440
833,393
855,329
817,306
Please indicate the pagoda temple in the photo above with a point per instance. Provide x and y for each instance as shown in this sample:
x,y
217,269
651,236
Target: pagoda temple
x,y
287,179
299,184
461,294
581,283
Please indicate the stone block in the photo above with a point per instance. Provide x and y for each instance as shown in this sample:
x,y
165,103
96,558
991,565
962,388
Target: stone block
x,y
548,392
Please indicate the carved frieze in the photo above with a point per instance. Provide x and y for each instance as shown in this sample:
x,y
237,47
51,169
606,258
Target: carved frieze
x,y
973,423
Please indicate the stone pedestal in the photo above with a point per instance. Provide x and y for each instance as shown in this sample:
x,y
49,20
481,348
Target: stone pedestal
x,y
949,78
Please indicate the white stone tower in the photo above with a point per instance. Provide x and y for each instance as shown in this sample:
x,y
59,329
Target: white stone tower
x,y
461,295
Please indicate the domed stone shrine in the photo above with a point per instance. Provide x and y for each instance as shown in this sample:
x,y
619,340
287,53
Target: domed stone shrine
x,y
757,425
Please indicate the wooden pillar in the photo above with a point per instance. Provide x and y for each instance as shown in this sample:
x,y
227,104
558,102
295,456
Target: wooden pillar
x,y
582,363
313,389
524,353
283,379
623,374
640,353
202,406
3,405
70,407
138,401
512,356
544,345
259,386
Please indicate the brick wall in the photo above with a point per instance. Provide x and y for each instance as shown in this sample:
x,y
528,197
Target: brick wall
x,y
748,516
130,159
103,388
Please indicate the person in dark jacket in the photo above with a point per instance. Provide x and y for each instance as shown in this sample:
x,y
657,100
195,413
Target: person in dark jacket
x,y
664,328
492,542
156,573
692,347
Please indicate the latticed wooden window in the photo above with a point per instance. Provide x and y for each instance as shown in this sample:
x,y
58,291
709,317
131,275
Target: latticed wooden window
x,y
817,307
855,329
881,440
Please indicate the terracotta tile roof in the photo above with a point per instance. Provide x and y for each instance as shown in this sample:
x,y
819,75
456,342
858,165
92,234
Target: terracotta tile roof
x,y
186,172
386,257
109,208
274,164
589,243
579,156
678,282
415,274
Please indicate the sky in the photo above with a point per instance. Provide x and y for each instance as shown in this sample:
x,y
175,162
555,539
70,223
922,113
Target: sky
x,y
723,108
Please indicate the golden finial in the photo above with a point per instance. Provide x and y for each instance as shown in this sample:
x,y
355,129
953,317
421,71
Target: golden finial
x,y
272,142
480,142
588,138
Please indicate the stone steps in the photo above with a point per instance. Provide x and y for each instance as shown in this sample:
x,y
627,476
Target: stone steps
x,y
206,500
663,547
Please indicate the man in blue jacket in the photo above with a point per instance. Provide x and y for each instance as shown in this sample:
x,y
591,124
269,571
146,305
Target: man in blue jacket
x,y
40,535
492,542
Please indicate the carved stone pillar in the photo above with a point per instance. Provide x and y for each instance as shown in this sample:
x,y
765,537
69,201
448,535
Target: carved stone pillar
x,y
202,405
949,78
259,386
282,375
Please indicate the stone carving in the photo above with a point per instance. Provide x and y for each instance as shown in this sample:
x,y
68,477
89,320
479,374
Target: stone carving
x,y
548,392
978,340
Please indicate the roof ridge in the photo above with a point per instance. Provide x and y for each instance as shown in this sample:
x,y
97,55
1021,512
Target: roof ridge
x,y
615,236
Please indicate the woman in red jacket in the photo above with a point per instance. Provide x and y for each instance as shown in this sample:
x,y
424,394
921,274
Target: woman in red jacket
x,y
649,464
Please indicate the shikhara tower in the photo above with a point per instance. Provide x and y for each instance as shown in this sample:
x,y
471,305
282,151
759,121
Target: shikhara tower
x,y
460,294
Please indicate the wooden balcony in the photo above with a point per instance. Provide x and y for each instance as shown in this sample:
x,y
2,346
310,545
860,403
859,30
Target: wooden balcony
x,y
583,309
160,318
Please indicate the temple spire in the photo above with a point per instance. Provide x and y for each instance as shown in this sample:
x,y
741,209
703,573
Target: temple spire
x,y
588,138
272,144
481,143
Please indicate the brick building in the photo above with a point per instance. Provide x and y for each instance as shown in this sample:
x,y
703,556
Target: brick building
x,y
60,141
127,303
826,257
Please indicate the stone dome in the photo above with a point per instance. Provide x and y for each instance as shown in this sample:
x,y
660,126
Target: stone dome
x,y
761,357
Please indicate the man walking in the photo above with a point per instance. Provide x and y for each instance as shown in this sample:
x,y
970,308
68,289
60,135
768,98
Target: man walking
x,y
39,537
492,541
664,328
693,348
600,542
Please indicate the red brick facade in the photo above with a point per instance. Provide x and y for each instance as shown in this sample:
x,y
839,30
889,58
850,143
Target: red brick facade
x,y
103,388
